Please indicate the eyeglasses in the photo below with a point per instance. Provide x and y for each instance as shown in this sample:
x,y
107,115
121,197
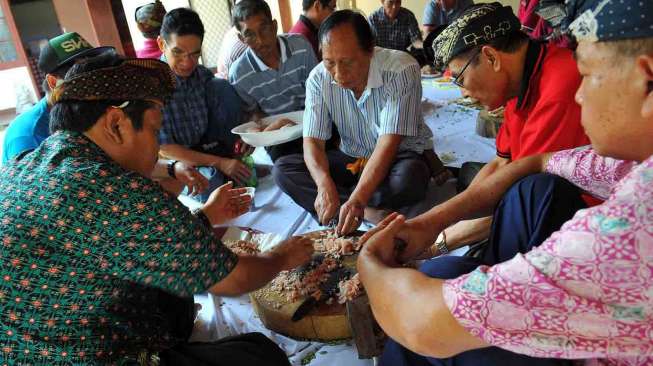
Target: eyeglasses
x,y
250,36
180,55
459,80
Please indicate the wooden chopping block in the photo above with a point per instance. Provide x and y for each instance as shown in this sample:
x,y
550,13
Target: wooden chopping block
x,y
323,323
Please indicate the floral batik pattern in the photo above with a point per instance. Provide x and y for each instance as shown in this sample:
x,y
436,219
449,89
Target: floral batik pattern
x,y
90,252
587,291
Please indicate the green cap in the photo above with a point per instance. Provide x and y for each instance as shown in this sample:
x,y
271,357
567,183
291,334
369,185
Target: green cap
x,y
65,49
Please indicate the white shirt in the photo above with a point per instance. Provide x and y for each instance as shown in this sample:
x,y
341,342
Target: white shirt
x,y
390,104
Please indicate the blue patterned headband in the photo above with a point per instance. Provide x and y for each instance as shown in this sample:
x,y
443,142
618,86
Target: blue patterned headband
x,y
609,20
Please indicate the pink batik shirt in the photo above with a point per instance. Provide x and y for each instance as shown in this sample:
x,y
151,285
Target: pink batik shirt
x,y
587,292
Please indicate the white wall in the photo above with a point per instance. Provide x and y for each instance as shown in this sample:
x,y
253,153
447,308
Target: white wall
x,y
13,80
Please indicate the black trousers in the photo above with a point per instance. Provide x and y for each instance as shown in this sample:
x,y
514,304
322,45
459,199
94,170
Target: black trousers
x,y
250,349
176,316
405,184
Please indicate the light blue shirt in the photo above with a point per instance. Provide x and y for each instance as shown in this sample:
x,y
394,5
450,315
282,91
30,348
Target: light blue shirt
x,y
390,104
27,131
435,16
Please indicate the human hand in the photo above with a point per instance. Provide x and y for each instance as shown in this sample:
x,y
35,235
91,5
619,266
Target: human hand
x,y
326,202
234,169
191,178
278,124
294,252
351,216
226,203
381,241
417,239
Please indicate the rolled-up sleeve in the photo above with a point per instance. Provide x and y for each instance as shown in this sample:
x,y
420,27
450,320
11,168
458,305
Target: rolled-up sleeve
x,y
317,119
589,171
400,115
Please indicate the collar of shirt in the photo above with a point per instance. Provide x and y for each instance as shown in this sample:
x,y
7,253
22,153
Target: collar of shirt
x,y
180,80
532,65
284,51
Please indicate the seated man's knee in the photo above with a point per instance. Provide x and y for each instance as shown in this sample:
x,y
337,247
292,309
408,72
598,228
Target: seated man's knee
x,y
543,185
411,180
286,165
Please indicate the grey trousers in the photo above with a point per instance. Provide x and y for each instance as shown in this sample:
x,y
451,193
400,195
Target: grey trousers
x,y
405,184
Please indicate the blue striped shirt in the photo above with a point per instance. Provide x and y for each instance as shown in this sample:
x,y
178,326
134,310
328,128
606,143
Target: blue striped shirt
x,y
275,91
390,104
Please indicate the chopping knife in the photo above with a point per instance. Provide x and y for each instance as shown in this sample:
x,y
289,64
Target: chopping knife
x,y
327,288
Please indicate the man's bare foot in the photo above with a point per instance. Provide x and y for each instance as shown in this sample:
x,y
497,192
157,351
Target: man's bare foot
x,y
375,215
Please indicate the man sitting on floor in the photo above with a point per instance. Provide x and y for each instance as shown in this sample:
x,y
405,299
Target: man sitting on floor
x,y
99,264
372,95
315,11
271,75
535,81
396,27
564,292
198,119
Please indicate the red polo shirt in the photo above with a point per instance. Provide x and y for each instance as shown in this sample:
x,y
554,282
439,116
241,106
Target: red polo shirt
x,y
544,117
308,30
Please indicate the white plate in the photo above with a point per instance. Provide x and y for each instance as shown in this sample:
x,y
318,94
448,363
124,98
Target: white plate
x,y
431,76
270,138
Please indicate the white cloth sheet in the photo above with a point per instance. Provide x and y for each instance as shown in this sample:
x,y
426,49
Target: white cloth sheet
x,y
274,212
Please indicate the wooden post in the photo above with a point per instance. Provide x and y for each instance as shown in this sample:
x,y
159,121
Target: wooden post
x,y
286,15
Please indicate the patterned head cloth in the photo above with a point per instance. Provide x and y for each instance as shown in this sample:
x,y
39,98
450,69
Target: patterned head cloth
x,y
477,26
610,20
149,18
133,79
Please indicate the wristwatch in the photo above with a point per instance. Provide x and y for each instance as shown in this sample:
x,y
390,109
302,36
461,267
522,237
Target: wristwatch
x,y
171,168
199,214
441,243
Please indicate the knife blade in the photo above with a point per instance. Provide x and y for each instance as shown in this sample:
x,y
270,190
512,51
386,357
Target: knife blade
x,y
327,289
